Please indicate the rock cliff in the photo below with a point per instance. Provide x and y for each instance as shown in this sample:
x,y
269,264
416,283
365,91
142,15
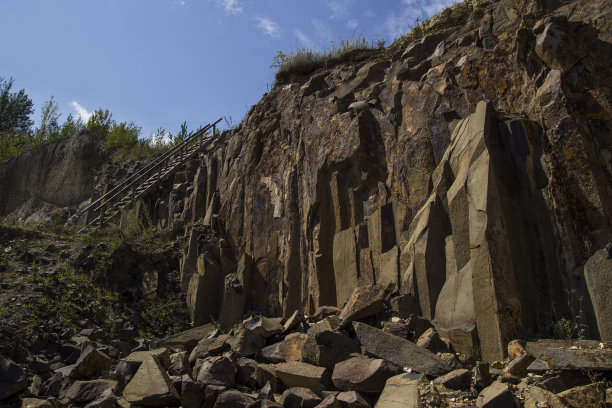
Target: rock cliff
x,y
466,168
60,174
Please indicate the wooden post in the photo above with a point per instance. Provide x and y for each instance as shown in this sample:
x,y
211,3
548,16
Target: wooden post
x,y
87,215
182,152
214,129
102,216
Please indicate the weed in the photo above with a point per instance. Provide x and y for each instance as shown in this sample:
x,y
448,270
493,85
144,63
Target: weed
x,y
571,326
306,60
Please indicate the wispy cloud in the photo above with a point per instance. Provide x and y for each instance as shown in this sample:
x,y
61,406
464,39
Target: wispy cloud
x,y
83,113
401,23
322,30
339,8
268,26
232,6
303,38
352,24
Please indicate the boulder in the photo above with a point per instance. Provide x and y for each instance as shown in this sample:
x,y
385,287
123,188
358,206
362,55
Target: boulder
x,y
161,353
363,374
591,395
289,349
193,393
35,403
266,374
107,399
329,401
298,374
399,351
90,363
151,386
12,378
293,322
185,340
400,391
497,395
85,391
298,397
366,301
217,371
571,355
352,399
233,399
456,379
328,348
330,323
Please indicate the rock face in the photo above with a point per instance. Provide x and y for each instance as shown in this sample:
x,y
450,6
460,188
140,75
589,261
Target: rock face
x,y
61,174
471,186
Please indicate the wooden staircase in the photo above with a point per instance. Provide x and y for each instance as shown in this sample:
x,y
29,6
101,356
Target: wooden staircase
x,y
121,197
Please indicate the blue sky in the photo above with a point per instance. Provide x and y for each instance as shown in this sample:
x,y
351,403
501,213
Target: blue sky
x,y
162,62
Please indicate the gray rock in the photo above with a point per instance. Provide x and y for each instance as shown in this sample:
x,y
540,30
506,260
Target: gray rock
x,y
12,378
298,397
399,351
297,374
217,371
497,395
363,374
456,380
85,391
151,386
400,392
233,399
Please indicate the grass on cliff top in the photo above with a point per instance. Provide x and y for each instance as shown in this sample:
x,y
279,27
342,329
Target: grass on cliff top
x,y
305,60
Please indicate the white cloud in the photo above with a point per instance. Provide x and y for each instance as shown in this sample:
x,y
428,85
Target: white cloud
x,y
268,26
369,14
303,38
158,139
352,24
400,24
232,6
83,113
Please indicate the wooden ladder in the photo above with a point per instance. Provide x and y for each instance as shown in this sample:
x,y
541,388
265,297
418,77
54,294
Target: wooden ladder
x,y
130,190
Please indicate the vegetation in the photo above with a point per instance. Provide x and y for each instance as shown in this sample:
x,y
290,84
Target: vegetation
x,y
306,60
18,135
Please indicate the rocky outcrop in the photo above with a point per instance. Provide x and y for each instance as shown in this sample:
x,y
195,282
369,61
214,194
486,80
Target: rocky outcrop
x,y
465,170
61,174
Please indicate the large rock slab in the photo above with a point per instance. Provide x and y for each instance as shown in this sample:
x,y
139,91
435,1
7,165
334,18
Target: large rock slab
x,y
571,355
298,374
399,351
151,386
363,374
186,340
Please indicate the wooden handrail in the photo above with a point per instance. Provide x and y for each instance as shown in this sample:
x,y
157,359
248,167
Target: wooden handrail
x,y
142,172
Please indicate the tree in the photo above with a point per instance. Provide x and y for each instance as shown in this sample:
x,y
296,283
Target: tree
x,y
15,109
49,129
100,123
182,134
123,136
71,126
